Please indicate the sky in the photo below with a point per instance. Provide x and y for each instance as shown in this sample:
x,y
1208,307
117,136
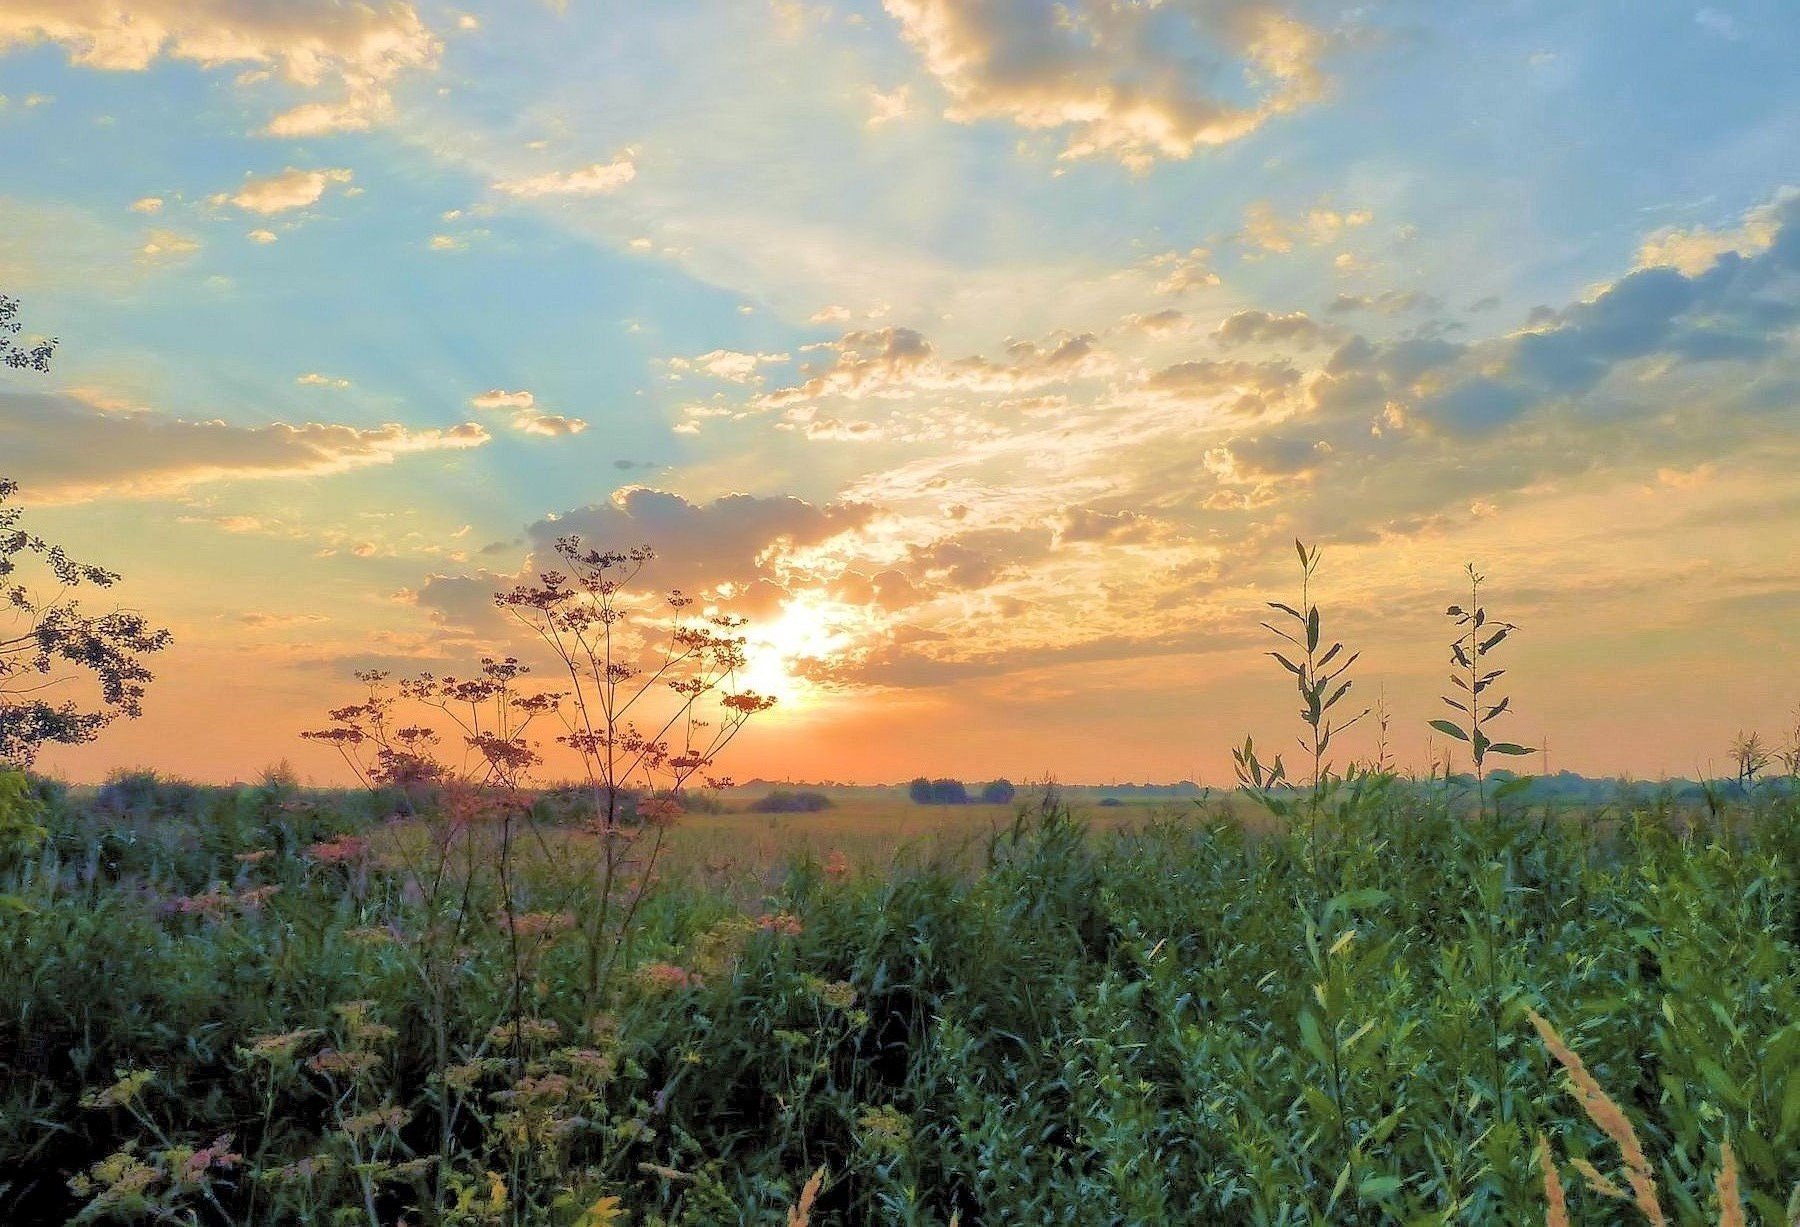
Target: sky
x,y
988,355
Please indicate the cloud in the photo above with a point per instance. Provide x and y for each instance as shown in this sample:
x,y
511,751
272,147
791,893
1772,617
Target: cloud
x,y
886,108
362,49
899,363
1132,82
68,450
1262,328
1691,252
727,364
1267,231
161,246
261,236
291,189
1391,302
1184,271
599,179
526,417
739,543
313,379
147,204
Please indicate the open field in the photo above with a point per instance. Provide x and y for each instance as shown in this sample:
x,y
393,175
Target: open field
x,y
252,1005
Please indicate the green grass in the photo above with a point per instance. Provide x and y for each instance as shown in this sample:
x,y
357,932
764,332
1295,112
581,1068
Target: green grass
x,y
1011,1018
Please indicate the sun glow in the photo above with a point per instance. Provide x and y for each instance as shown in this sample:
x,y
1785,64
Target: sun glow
x,y
810,630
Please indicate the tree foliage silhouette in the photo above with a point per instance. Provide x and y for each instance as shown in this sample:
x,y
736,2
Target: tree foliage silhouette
x,y
65,674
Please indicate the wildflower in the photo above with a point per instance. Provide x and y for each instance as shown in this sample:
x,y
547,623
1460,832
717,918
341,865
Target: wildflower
x,y
283,1046
254,858
782,924
666,977
390,1119
219,1154
586,1063
839,994
332,1061
116,1178
885,1129
252,900
121,1093
837,865
527,1030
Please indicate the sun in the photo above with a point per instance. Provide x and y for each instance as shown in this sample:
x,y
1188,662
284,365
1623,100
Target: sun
x,y
810,629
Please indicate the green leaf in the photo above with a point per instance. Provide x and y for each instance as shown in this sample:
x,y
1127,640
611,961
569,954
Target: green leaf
x,y
1312,1039
1458,704
1510,748
1312,628
1287,609
1287,664
1378,1186
1449,730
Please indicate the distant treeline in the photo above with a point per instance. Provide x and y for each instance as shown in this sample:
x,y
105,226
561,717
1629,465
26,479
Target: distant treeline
x,y
955,792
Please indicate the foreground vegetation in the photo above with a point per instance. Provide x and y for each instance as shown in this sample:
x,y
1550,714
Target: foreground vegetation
x,y
241,1006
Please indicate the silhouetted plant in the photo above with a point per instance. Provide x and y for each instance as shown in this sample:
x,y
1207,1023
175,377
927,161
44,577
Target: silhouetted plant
x,y
28,358
1750,755
51,644
1319,672
623,657
1469,652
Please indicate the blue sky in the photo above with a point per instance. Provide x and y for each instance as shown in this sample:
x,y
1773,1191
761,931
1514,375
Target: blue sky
x,y
1055,321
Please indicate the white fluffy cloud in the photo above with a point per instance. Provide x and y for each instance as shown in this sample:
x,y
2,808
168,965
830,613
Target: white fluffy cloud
x,y
527,418
360,49
291,189
599,179
1129,81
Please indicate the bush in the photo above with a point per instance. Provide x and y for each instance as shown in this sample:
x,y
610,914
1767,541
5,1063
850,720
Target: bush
x,y
786,801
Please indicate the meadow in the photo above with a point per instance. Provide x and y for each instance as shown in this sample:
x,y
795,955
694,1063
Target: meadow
x,y
254,1005
459,995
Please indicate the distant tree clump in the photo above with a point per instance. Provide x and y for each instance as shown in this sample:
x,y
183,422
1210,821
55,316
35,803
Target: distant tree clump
x,y
998,792
790,801
938,792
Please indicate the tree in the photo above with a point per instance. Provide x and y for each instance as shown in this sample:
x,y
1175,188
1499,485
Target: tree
x,y
920,791
949,792
997,792
49,645
12,354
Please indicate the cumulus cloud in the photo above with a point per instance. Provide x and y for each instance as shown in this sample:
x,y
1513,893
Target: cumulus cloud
x,y
360,49
147,204
1264,328
598,179
526,417
727,364
1180,272
291,189
739,543
1132,82
313,379
66,449
1695,250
